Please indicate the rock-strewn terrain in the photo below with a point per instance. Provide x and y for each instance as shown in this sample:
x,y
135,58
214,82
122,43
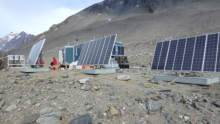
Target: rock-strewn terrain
x,y
61,96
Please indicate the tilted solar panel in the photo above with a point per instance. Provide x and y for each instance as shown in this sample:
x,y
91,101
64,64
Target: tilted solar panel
x,y
199,53
188,57
109,49
196,54
211,53
93,43
163,55
97,52
156,58
102,57
171,55
179,54
218,56
98,55
35,52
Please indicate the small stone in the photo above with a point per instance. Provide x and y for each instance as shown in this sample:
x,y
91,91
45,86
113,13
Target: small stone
x,y
181,116
52,119
152,81
159,82
53,97
46,110
84,119
11,107
86,88
206,100
123,77
71,83
141,122
156,98
199,95
1,103
217,103
186,118
65,76
130,103
37,104
93,89
31,118
195,105
83,81
154,106
2,92
113,111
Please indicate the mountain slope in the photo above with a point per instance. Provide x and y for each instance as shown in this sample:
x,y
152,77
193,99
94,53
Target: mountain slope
x,y
138,32
13,40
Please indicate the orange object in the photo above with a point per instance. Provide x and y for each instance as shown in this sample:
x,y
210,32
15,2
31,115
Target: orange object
x,y
85,66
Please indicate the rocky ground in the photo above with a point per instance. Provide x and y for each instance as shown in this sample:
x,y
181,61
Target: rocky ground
x,y
126,97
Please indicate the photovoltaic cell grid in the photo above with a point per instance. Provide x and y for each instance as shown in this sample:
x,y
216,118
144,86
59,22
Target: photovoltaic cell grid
x,y
163,55
157,55
189,50
179,54
97,52
35,52
199,53
171,55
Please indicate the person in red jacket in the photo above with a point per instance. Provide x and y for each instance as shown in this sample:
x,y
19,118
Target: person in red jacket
x,y
54,62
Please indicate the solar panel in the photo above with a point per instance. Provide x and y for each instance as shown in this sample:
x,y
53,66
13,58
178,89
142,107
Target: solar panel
x,y
35,52
95,51
98,51
196,54
156,55
89,48
211,52
109,49
171,55
81,55
93,43
199,53
102,58
179,54
163,55
218,57
188,57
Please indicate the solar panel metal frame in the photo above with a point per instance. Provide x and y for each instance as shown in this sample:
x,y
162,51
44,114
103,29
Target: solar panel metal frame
x,y
34,53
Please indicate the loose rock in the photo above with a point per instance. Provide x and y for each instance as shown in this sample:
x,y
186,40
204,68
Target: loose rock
x,y
31,119
113,111
123,77
84,119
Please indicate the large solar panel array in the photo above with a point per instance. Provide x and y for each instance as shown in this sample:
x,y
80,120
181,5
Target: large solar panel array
x,y
196,54
97,52
35,52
